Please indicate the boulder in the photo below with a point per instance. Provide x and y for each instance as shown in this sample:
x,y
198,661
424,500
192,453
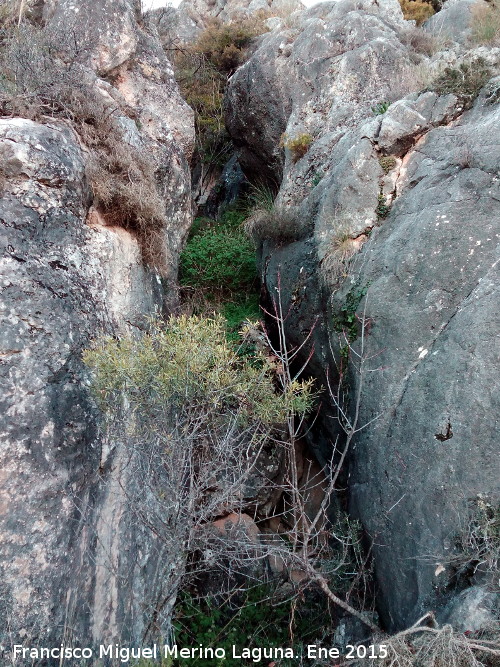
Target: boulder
x,y
401,205
434,446
318,79
454,20
73,554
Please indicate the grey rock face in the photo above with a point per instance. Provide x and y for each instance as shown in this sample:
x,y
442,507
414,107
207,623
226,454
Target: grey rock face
x,y
454,20
432,271
124,62
319,77
429,263
73,560
63,283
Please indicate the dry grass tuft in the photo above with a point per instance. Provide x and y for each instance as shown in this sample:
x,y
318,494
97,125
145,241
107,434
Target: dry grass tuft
x,y
39,81
416,10
420,41
336,250
478,544
485,27
280,225
431,646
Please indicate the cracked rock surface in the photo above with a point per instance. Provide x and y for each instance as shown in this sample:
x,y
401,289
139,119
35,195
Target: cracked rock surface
x,y
415,189
74,565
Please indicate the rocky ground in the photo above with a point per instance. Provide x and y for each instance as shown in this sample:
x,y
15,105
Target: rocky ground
x,y
382,240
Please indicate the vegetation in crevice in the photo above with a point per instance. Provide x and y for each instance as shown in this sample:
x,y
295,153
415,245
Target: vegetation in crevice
x,y
43,77
256,617
298,145
202,70
464,81
217,270
345,321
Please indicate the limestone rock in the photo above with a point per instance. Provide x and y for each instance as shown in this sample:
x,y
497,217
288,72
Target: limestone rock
x,y
412,187
454,20
72,556
317,78
63,283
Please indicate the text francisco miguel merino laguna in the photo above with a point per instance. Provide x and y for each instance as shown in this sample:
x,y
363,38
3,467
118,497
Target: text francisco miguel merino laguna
x,y
124,654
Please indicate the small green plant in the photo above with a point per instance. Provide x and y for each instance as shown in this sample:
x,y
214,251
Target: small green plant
x,y
380,108
345,322
383,208
388,163
464,81
317,178
298,145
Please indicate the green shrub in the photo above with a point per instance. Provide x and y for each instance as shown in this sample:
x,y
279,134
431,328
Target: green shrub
x,y
244,308
186,363
416,10
256,617
218,259
218,256
464,81
298,145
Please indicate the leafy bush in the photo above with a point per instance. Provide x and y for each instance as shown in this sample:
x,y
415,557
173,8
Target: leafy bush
x,y
383,207
464,81
298,145
485,27
218,255
181,364
416,10
193,417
